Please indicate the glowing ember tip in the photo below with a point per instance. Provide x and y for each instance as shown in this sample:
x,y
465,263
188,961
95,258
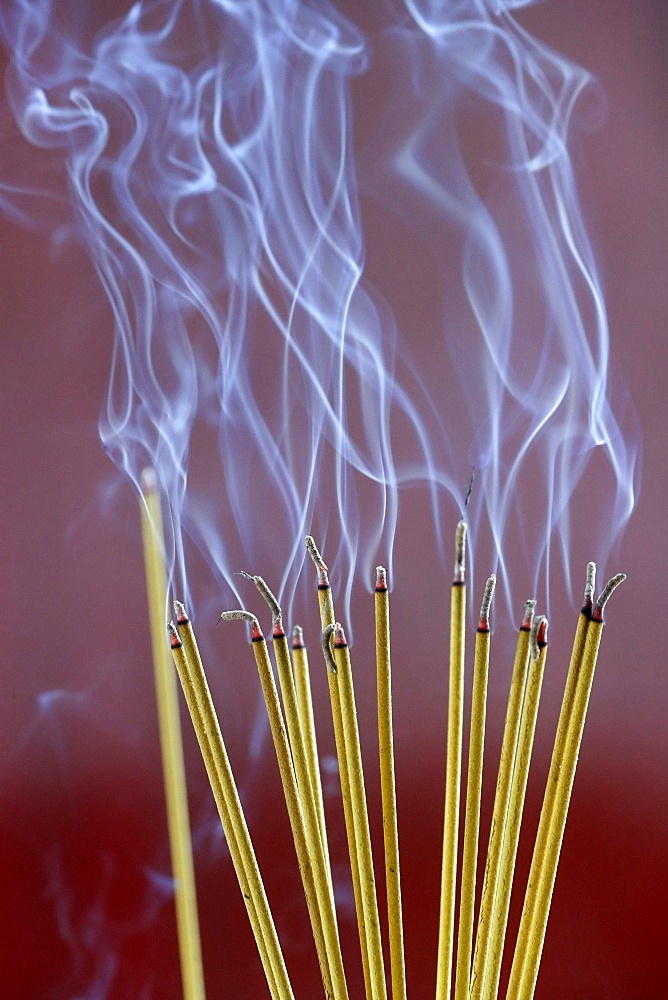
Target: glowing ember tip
x,y
246,616
298,637
538,636
483,624
339,636
605,595
327,648
460,552
589,587
148,480
181,613
174,637
381,578
529,609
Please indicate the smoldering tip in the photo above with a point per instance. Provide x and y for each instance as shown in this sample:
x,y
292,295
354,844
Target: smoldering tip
x,y
460,552
318,561
327,633
381,578
604,596
174,637
529,610
538,638
181,613
298,637
276,614
246,616
148,480
339,636
590,583
483,624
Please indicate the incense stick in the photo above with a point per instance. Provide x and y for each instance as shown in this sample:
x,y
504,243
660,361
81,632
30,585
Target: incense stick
x,y
552,781
353,755
502,796
453,769
314,901
171,746
388,787
501,904
327,622
323,887
562,795
205,723
473,793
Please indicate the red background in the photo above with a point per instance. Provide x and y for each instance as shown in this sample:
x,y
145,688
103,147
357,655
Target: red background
x,y
81,811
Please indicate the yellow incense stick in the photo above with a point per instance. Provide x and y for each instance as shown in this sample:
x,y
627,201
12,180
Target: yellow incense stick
x,y
502,797
205,723
324,894
327,619
562,796
473,793
388,787
453,769
300,669
501,906
295,814
360,815
169,725
552,781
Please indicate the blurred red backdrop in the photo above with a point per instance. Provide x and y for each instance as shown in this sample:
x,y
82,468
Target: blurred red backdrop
x,y
83,852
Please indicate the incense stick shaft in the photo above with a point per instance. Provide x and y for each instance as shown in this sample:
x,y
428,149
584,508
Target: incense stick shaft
x,y
538,859
388,794
472,814
171,746
572,740
223,786
452,791
500,810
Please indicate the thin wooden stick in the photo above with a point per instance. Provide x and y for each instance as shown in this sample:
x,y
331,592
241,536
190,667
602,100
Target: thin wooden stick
x,y
300,669
473,793
388,786
547,809
171,746
327,620
516,806
290,792
344,680
572,741
502,798
453,769
205,723
324,895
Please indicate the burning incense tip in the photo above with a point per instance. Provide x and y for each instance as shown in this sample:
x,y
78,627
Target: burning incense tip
x,y
483,624
148,480
460,552
319,562
339,636
538,636
327,648
605,594
174,637
589,587
181,613
276,613
381,578
529,609
246,616
298,637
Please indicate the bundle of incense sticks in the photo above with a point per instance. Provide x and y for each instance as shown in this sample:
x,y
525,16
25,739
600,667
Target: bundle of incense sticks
x,y
469,967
